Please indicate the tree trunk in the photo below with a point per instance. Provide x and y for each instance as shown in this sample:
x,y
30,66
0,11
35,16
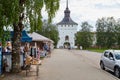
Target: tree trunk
x,y
16,44
16,49
16,41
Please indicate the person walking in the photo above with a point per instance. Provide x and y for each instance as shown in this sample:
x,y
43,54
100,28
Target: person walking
x,y
49,50
38,54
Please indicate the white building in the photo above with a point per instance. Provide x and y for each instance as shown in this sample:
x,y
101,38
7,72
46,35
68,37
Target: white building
x,y
67,29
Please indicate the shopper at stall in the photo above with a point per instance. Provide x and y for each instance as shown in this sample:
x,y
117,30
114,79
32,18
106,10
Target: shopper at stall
x,y
38,53
8,47
25,52
49,50
45,48
26,48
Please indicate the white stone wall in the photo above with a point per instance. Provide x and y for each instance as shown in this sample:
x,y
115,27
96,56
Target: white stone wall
x,y
66,30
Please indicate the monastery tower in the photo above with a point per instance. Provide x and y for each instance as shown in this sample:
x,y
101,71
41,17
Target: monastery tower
x,y
67,29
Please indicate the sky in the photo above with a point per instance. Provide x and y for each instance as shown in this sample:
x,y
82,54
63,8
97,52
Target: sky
x,y
87,10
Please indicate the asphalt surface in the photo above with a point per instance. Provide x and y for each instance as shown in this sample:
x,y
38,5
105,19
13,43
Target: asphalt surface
x,y
67,65
74,65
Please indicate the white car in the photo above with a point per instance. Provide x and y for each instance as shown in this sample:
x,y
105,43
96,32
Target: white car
x,y
110,60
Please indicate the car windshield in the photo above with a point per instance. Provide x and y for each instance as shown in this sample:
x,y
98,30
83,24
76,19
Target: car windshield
x,y
117,55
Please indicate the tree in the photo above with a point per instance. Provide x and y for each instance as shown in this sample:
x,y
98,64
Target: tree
x,y
106,32
111,39
117,33
100,34
50,31
13,12
84,36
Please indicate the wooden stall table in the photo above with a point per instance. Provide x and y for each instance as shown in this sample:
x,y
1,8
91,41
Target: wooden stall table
x,y
32,61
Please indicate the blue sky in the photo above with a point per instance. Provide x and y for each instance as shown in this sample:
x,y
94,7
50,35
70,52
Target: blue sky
x,y
88,10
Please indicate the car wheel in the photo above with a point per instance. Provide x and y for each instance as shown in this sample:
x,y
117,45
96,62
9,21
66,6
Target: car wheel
x,y
117,72
102,66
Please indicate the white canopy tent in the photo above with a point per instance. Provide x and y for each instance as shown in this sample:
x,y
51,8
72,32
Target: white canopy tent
x,y
37,37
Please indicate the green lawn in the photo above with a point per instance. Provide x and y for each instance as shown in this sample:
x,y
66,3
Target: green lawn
x,y
101,51
97,50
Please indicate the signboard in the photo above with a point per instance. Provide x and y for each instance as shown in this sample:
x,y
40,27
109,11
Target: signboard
x,y
0,60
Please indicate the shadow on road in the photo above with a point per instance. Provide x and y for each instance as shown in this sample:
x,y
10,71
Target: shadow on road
x,y
110,72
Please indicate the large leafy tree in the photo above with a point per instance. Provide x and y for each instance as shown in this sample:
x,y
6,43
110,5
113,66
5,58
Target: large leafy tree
x,y
117,33
84,36
14,12
111,39
100,34
106,32
50,31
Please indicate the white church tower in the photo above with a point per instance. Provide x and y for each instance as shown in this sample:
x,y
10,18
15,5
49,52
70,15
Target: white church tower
x,y
67,29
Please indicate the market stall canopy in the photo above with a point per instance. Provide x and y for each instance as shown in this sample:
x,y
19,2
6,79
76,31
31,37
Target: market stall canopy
x,y
37,37
25,37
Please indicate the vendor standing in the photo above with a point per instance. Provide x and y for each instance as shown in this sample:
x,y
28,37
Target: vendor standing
x,y
7,58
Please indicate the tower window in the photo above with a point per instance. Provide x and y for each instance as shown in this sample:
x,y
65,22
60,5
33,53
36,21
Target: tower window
x,y
66,37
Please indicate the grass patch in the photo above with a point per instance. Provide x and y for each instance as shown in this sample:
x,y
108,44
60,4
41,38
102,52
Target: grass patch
x,y
100,51
97,50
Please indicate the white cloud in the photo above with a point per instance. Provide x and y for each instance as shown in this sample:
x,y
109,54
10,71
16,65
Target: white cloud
x,y
88,10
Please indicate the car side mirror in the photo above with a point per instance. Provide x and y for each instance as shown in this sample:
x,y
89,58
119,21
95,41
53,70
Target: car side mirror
x,y
111,58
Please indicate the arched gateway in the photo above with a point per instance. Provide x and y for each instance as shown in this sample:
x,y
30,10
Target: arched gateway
x,y
66,45
67,29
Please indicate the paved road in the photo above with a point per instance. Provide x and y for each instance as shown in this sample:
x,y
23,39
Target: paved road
x,y
68,65
73,65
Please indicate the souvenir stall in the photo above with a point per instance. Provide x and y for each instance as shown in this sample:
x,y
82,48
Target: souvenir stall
x,y
38,41
7,57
